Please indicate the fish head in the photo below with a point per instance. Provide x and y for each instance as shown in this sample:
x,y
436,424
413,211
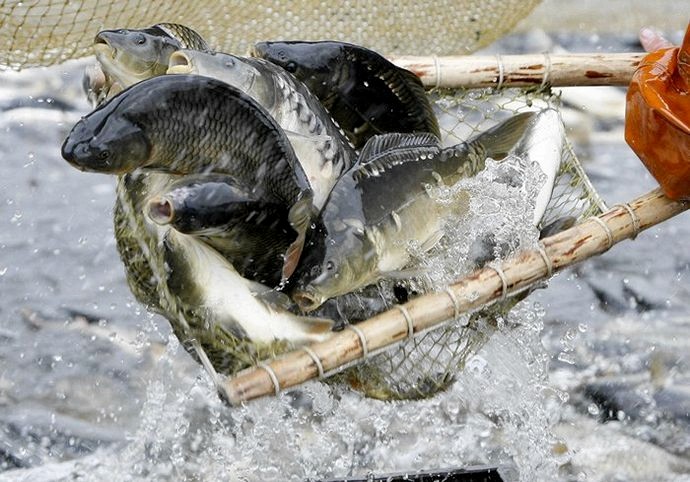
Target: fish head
x,y
202,204
228,68
309,62
130,56
107,143
342,264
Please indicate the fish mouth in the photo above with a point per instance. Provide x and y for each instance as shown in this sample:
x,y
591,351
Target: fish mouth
x,y
307,300
103,48
179,63
160,210
258,49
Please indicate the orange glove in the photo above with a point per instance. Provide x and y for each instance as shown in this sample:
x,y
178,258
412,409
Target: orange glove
x,y
657,118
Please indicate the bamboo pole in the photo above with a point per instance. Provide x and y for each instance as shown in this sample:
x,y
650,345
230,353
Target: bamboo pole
x,y
589,238
523,70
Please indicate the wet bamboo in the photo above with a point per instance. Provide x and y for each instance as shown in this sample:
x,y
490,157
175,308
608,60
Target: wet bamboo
x,y
589,238
523,70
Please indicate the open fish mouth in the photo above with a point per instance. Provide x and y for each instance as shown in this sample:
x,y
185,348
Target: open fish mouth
x,y
160,210
179,63
103,49
307,300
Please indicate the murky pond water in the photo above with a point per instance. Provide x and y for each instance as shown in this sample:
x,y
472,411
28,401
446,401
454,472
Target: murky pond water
x,y
588,379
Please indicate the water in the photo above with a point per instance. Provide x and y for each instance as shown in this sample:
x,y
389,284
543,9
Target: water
x,y
586,380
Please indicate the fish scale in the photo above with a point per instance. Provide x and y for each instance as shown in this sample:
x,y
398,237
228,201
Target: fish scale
x,y
319,144
382,206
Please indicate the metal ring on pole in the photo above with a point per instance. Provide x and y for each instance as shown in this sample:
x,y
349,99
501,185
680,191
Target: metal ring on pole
x,y
408,319
545,257
437,68
315,359
499,59
605,227
455,300
362,339
633,216
272,375
504,281
547,70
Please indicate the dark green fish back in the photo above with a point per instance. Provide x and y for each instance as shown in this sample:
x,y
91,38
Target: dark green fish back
x,y
197,124
395,167
365,93
188,38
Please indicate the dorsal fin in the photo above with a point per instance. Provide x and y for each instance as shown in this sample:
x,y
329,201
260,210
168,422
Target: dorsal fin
x,y
378,145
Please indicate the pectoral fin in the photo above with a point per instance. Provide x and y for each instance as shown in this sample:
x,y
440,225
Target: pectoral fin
x,y
300,217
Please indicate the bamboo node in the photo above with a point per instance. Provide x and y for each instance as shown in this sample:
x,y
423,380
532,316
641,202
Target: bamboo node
x,y
499,59
408,319
362,339
607,230
272,375
547,72
504,281
315,358
455,300
545,257
633,217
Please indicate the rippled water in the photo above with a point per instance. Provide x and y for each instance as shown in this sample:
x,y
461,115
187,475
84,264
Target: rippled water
x,y
588,379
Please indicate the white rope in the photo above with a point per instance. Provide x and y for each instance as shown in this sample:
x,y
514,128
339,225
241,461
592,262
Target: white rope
x,y
455,300
633,216
437,68
362,339
315,359
547,70
504,281
499,59
605,227
547,260
408,319
272,375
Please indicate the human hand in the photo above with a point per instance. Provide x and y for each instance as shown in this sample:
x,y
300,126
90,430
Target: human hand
x,y
652,40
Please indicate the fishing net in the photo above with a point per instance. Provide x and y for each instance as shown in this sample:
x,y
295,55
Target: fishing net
x,y
47,32
427,363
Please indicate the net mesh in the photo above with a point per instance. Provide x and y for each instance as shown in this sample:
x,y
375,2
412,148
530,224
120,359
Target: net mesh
x,y
427,363
47,32
50,32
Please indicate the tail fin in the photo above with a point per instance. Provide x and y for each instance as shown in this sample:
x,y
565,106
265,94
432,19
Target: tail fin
x,y
502,138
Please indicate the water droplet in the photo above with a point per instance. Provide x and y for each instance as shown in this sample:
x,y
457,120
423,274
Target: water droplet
x,y
593,409
565,357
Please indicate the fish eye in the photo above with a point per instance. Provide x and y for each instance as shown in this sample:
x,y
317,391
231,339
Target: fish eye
x,y
141,39
330,266
104,155
291,67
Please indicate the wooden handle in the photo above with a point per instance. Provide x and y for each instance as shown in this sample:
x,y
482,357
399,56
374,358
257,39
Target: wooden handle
x,y
523,70
589,238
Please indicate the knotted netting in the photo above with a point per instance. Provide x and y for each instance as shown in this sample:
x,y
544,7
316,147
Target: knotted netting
x,y
427,363
46,32
49,32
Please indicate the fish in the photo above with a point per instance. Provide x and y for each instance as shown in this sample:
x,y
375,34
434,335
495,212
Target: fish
x,y
190,124
383,205
247,231
365,93
320,146
185,280
543,144
205,281
128,56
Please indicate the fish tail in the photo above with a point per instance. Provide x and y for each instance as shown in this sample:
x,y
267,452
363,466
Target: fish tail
x,y
498,141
